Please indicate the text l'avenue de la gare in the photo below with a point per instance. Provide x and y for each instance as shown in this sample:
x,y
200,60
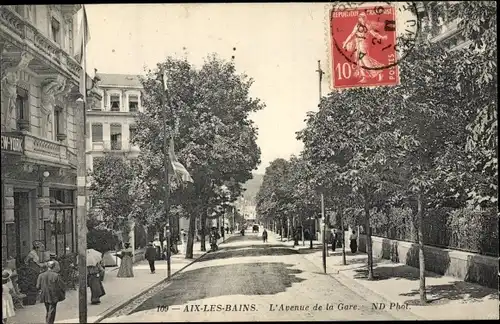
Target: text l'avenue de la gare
x,y
281,307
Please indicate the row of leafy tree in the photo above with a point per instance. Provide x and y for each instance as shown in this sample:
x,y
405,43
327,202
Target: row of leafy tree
x,y
415,150
207,114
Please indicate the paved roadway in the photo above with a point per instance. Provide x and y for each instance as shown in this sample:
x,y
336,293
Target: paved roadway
x,y
248,280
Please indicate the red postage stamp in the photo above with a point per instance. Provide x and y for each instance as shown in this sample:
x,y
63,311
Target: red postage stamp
x,y
363,46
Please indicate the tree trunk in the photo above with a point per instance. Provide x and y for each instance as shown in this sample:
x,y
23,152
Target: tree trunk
x,y
421,257
341,211
311,234
369,250
302,229
203,229
282,229
191,232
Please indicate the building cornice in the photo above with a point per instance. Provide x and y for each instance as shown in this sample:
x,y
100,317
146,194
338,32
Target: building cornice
x,y
117,87
108,113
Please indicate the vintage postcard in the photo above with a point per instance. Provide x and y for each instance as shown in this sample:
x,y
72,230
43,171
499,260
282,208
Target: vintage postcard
x,y
249,162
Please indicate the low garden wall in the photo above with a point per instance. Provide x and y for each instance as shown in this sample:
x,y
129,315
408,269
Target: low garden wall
x,y
465,266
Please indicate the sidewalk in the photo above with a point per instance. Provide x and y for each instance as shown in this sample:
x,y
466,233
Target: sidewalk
x,y
119,291
449,298
276,238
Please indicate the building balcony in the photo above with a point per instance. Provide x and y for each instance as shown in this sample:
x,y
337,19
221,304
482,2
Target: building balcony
x,y
38,150
116,146
98,146
18,36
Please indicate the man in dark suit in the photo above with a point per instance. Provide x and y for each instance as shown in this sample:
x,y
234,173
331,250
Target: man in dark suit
x,y
151,256
51,290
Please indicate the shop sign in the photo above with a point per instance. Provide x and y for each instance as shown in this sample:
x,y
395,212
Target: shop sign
x,y
12,144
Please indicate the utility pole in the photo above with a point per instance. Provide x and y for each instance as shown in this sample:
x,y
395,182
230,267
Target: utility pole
x,y
320,79
320,74
324,231
81,222
167,178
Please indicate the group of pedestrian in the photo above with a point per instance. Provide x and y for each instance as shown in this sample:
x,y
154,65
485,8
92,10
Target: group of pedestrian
x,y
338,237
51,291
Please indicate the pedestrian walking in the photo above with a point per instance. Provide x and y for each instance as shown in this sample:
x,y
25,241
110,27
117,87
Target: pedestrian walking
x,y
51,290
232,230
150,255
94,281
354,241
264,235
183,240
307,234
334,240
125,270
8,310
296,237
158,248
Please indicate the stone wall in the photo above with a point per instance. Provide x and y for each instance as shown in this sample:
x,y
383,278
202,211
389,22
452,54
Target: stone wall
x,y
464,266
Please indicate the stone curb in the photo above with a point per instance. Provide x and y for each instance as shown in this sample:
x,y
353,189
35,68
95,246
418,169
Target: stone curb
x,y
113,309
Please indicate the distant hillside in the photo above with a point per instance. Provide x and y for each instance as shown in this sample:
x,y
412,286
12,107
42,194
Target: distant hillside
x,y
252,187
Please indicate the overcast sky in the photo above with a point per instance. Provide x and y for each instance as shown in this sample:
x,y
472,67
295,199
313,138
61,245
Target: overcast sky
x,y
278,45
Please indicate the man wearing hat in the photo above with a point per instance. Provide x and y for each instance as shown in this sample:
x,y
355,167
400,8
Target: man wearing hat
x,y
150,255
51,290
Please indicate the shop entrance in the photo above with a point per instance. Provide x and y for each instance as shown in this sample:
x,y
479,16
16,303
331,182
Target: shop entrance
x,y
18,233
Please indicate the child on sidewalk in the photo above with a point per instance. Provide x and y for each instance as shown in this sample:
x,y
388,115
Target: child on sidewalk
x,y
7,303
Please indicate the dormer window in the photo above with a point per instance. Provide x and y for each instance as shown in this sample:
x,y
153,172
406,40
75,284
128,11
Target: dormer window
x,y
115,102
133,103
56,30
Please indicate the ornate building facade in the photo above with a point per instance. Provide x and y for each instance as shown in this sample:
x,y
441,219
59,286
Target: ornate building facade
x,y
111,121
40,126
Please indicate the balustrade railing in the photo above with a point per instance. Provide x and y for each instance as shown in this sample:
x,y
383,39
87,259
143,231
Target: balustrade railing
x,y
46,149
28,32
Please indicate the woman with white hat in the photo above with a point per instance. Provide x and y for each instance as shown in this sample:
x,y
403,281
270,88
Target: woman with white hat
x,y
7,302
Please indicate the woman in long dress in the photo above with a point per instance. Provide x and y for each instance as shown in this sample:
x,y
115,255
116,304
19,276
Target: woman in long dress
x,y
94,281
33,267
7,302
358,42
125,270
354,242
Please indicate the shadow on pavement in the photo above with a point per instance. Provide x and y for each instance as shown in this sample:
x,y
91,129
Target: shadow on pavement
x,y
258,279
457,290
247,237
245,252
252,246
307,250
389,272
